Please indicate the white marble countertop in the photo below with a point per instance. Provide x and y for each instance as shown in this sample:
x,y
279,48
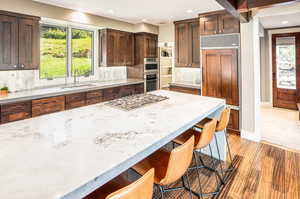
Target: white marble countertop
x,y
60,90
69,154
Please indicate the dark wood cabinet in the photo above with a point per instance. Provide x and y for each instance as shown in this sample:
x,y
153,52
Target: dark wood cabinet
x,y
15,111
116,48
75,100
209,25
234,123
48,105
94,97
187,43
29,44
146,46
33,108
8,42
220,75
219,22
20,41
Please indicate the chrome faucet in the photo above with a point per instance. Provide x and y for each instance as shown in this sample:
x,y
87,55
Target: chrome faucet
x,y
75,76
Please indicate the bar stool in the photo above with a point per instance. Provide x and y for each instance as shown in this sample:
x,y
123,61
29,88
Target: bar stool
x,y
202,140
169,167
120,188
221,126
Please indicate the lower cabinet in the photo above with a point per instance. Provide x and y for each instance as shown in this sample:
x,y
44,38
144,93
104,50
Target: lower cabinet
x,y
33,108
94,97
15,111
234,123
48,105
75,100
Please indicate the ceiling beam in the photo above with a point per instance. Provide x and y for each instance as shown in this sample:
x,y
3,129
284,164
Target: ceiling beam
x,y
265,3
231,7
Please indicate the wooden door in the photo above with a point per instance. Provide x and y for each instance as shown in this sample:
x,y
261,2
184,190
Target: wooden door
x,y
8,42
194,48
181,45
209,25
286,70
29,43
228,24
220,75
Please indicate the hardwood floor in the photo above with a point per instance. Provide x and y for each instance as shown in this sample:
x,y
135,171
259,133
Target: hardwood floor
x,y
263,171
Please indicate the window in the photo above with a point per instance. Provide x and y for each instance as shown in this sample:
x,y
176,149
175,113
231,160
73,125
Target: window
x,y
53,52
66,51
82,51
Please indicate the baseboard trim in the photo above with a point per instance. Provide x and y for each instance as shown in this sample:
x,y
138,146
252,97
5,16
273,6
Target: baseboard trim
x,y
255,137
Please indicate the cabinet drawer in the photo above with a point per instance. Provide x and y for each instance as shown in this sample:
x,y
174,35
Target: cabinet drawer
x,y
94,97
111,93
75,100
234,121
48,105
15,111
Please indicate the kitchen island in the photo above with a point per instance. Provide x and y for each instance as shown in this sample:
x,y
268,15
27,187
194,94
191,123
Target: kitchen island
x,y
70,154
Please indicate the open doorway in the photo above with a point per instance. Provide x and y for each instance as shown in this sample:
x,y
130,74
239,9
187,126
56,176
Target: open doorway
x,y
280,80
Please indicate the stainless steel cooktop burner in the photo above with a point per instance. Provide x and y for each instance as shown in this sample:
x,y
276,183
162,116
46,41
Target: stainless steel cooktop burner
x,y
135,101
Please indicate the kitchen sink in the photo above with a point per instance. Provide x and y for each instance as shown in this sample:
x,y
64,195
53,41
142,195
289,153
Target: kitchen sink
x,y
77,86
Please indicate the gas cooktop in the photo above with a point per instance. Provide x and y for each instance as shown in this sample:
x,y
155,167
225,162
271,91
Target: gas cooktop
x,y
135,101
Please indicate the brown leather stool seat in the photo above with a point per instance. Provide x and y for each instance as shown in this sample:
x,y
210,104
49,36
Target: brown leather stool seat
x,y
121,188
169,166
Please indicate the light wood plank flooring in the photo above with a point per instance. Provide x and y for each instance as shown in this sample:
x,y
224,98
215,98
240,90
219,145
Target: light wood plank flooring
x,y
263,171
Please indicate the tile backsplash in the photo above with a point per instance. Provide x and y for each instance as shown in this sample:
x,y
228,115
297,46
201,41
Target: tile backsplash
x,y
29,79
188,75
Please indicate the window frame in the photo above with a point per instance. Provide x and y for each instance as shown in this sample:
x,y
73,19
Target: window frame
x,y
69,48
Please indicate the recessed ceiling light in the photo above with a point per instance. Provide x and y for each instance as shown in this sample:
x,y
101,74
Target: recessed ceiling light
x,y
189,11
111,11
284,22
144,20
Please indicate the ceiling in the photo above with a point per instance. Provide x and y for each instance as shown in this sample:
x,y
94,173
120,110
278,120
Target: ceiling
x,y
137,11
281,21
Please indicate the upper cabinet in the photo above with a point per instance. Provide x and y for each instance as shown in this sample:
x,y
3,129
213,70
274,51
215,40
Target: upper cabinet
x,y
145,46
116,48
20,41
219,22
187,43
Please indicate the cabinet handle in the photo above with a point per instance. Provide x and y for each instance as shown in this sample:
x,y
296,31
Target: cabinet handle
x,y
22,66
15,66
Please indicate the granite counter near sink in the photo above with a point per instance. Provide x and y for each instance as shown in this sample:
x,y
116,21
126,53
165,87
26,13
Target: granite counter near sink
x,y
62,90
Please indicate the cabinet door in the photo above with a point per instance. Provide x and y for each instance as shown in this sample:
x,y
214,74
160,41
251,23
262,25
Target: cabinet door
x,y
209,25
211,73
194,49
75,100
29,44
122,48
130,50
112,48
8,42
15,111
220,75
181,45
228,24
150,46
94,97
48,105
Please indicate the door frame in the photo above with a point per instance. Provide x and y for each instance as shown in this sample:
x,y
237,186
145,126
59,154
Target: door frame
x,y
274,68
